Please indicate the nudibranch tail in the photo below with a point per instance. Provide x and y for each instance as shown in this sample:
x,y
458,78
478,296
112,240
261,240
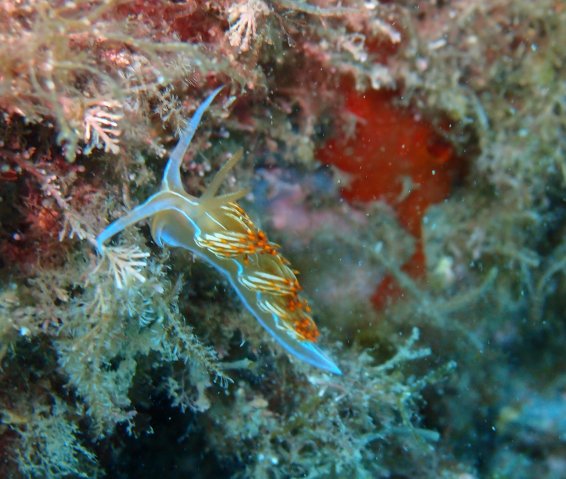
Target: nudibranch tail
x,y
218,230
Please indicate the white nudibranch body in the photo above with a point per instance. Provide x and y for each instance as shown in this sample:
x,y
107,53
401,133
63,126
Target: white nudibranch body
x,y
216,229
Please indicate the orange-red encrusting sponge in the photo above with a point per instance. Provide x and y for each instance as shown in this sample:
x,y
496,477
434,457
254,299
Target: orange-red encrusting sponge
x,y
396,157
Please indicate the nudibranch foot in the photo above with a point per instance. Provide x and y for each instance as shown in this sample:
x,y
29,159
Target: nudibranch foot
x,y
216,229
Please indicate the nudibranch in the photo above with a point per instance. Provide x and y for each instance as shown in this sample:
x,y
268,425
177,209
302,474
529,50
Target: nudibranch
x,y
216,229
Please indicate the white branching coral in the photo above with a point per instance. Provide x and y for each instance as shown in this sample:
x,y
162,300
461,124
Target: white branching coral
x,y
243,19
101,127
125,264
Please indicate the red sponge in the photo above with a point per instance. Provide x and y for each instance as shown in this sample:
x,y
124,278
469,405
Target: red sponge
x,y
392,156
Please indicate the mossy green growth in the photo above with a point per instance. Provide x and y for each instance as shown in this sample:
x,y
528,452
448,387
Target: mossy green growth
x,y
51,444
